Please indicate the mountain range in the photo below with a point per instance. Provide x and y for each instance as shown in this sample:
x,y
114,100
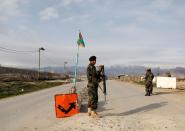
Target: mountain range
x,y
120,70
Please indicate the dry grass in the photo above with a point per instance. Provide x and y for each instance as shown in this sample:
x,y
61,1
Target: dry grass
x,y
14,88
181,85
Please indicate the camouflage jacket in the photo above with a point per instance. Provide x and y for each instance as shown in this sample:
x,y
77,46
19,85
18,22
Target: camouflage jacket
x,y
149,77
92,75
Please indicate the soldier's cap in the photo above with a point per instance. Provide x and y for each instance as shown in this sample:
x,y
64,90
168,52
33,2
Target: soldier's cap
x,y
148,69
92,58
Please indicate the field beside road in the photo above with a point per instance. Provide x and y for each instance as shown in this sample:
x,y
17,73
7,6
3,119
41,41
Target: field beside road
x,y
13,88
17,81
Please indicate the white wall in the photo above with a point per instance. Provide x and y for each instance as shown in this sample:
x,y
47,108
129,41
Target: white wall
x,y
166,82
155,79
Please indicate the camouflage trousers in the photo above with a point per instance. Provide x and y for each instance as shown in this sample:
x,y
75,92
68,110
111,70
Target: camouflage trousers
x,y
149,87
93,97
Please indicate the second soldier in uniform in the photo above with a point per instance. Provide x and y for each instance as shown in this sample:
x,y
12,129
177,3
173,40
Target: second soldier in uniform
x,y
148,82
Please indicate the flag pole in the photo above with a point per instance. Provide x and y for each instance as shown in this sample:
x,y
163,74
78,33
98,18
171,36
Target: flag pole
x,y
76,67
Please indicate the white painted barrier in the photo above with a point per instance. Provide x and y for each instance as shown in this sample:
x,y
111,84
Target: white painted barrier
x,y
166,82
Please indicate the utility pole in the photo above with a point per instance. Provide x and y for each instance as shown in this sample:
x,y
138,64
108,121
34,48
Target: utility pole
x,y
158,72
65,72
41,48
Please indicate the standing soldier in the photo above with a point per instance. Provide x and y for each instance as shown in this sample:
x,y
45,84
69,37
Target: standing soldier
x,y
148,82
93,80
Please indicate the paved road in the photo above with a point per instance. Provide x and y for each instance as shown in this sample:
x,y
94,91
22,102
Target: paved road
x,y
126,109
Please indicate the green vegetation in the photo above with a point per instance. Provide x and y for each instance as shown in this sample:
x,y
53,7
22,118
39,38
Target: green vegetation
x,y
14,88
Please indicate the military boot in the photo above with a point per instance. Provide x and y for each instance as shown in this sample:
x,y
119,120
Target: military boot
x,y
89,112
147,93
151,92
94,114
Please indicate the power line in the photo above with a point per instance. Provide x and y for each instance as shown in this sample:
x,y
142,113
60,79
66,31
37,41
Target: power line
x,y
6,50
51,60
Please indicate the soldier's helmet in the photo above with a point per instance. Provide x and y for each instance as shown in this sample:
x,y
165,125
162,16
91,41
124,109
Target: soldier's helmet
x,y
148,69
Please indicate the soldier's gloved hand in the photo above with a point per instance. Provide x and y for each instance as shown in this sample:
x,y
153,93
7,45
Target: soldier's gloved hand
x,y
100,67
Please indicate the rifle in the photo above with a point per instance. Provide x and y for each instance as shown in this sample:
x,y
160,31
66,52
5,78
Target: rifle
x,y
103,79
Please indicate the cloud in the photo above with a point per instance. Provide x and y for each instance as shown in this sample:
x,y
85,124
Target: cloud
x,y
48,13
68,2
162,4
135,32
82,18
10,8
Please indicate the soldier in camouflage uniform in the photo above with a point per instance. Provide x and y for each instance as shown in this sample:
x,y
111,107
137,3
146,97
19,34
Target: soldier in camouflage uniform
x,y
93,81
148,82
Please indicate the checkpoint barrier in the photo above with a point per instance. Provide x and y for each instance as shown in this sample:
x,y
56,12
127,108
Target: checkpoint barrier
x,y
66,105
166,82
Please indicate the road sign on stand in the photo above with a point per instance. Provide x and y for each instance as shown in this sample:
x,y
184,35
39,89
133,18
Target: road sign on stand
x,y
66,105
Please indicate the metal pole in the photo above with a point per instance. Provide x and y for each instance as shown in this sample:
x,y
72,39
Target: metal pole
x,y
39,61
39,65
65,67
76,67
158,72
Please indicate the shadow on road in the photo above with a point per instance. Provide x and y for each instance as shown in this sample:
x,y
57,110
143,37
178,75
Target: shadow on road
x,y
126,97
161,93
101,104
140,109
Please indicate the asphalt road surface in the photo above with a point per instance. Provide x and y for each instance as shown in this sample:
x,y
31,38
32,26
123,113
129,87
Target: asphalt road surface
x,y
126,109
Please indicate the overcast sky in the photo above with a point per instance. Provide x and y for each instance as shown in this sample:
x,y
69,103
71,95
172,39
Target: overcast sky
x,y
118,32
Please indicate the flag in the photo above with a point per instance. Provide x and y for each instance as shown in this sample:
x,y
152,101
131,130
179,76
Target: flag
x,y
80,40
